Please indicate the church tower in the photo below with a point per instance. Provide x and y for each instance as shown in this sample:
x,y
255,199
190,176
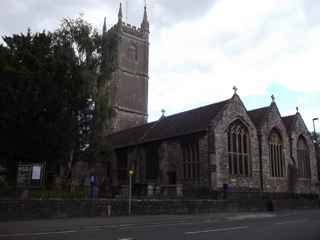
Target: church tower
x,y
128,83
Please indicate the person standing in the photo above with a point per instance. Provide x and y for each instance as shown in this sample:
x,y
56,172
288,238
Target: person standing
x,y
93,186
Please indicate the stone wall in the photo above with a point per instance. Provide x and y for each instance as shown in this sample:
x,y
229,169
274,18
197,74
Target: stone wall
x,y
45,209
299,129
170,160
274,121
219,158
129,83
317,149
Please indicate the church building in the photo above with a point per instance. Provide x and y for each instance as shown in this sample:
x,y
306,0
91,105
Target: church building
x,y
215,147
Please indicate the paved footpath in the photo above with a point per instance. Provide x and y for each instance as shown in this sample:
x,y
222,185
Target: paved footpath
x,y
293,225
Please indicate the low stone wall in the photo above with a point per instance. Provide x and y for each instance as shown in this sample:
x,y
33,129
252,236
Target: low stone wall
x,y
44,209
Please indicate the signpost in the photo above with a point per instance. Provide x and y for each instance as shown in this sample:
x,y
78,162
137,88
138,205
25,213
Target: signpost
x,y
130,190
30,175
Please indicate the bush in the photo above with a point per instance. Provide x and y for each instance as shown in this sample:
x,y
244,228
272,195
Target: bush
x,y
59,194
4,187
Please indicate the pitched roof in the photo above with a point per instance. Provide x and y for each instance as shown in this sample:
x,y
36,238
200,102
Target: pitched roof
x,y
258,115
195,120
288,121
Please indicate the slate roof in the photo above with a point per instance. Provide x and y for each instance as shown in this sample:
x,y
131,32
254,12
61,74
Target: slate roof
x,y
288,121
192,121
258,115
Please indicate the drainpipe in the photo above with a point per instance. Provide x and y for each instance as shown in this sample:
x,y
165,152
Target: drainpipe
x,y
293,169
260,160
291,152
208,156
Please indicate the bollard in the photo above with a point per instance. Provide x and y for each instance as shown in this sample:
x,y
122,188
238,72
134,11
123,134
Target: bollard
x,y
109,210
150,190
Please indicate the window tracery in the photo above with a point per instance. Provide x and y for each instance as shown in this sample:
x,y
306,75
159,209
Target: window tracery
x,y
238,149
276,154
304,170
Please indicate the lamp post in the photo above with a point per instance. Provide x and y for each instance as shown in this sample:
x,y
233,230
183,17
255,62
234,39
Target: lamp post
x,y
130,191
314,128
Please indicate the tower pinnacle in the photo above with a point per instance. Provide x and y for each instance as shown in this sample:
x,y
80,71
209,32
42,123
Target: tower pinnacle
x,y
104,28
145,22
120,13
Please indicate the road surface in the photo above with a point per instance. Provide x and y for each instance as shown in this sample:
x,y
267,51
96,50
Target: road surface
x,y
293,225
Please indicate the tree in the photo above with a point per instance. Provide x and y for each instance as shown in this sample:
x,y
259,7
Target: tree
x,y
316,137
48,94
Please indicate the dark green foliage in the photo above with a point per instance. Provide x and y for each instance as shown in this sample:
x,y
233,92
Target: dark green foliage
x,y
3,186
316,137
103,113
56,194
48,93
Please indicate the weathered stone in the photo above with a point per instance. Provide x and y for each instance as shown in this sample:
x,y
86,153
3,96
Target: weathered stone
x,y
50,209
129,82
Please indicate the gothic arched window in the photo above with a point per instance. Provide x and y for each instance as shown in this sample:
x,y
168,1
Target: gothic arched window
x,y
238,149
122,165
152,161
191,158
276,154
303,158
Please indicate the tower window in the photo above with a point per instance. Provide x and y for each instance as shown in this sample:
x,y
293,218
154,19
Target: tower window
x,y
133,52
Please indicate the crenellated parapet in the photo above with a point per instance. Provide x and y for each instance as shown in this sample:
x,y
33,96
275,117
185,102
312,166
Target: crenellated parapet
x,y
121,26
130,29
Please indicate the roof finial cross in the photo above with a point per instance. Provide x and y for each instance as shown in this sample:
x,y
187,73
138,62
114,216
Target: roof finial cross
x,y
163,112
273,98
235,89
297,108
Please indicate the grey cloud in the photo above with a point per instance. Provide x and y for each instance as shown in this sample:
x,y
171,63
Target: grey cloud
x,y
18,15
168,11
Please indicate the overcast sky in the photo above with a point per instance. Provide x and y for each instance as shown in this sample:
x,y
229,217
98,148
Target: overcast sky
x,y
200,49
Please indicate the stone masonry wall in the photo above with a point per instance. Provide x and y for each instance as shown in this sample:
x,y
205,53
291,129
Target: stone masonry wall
x,y
274,121
304,185
235,110
171,160
129,83
46,209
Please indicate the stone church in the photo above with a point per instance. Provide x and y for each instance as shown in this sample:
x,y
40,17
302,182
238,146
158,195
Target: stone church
x,y
215,147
